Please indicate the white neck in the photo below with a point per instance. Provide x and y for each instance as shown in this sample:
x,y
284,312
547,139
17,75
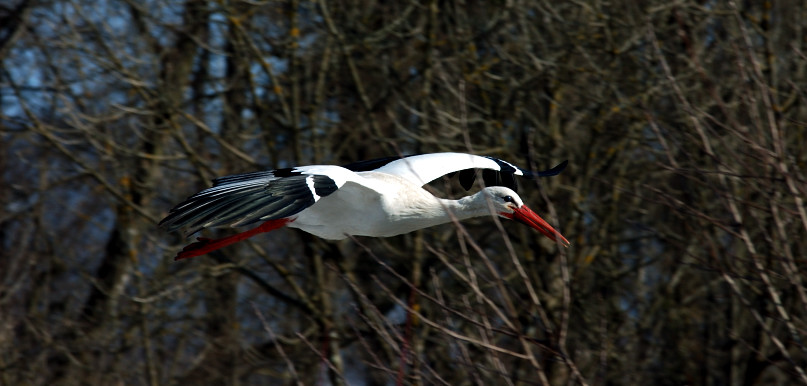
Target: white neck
x,y
425,213
475,205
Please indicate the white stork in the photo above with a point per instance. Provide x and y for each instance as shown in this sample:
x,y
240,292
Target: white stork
x,y
380,198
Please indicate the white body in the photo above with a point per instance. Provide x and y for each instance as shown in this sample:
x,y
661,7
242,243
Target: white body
x,y
381,205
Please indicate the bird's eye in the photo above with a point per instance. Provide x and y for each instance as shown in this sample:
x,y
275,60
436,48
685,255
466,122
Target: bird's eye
x,y
508,199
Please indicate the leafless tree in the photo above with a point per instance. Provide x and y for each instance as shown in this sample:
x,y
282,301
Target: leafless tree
x,y
683,124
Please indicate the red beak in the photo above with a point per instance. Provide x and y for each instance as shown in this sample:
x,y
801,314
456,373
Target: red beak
x,y
527,217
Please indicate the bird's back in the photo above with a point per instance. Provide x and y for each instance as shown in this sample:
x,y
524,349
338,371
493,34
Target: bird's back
x,y
378,205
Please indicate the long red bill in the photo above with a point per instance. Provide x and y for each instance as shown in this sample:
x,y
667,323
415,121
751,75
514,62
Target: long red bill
x,y
527,217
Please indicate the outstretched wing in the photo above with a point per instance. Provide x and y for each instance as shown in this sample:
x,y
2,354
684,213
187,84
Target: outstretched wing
x,y
424,168
245,199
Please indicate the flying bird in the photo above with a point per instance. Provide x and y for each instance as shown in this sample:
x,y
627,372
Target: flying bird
x,y
379,198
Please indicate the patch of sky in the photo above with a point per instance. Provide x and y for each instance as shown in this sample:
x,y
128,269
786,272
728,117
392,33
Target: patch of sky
x,y
279,65
628,305
24,73
588,217
212,116
714,24
219,29
641,254
396,315
331,116
308,40
165,15
264,89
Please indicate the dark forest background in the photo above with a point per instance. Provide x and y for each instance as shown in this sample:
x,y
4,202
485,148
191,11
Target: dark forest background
x,y
683,123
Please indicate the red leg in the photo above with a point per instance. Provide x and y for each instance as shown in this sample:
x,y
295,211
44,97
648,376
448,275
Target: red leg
x,y
205,245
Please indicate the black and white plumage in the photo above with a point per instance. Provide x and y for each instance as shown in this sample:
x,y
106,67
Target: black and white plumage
x,y
382,197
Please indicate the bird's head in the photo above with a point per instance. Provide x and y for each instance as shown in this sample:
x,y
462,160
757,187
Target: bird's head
x,y
506,203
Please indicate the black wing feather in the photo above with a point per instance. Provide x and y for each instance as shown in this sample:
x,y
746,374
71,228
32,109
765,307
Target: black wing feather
x,y
244,199
467,178
373,164
549,172
506,176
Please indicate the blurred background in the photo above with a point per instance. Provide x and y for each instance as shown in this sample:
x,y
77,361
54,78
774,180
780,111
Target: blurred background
x,y
683,123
